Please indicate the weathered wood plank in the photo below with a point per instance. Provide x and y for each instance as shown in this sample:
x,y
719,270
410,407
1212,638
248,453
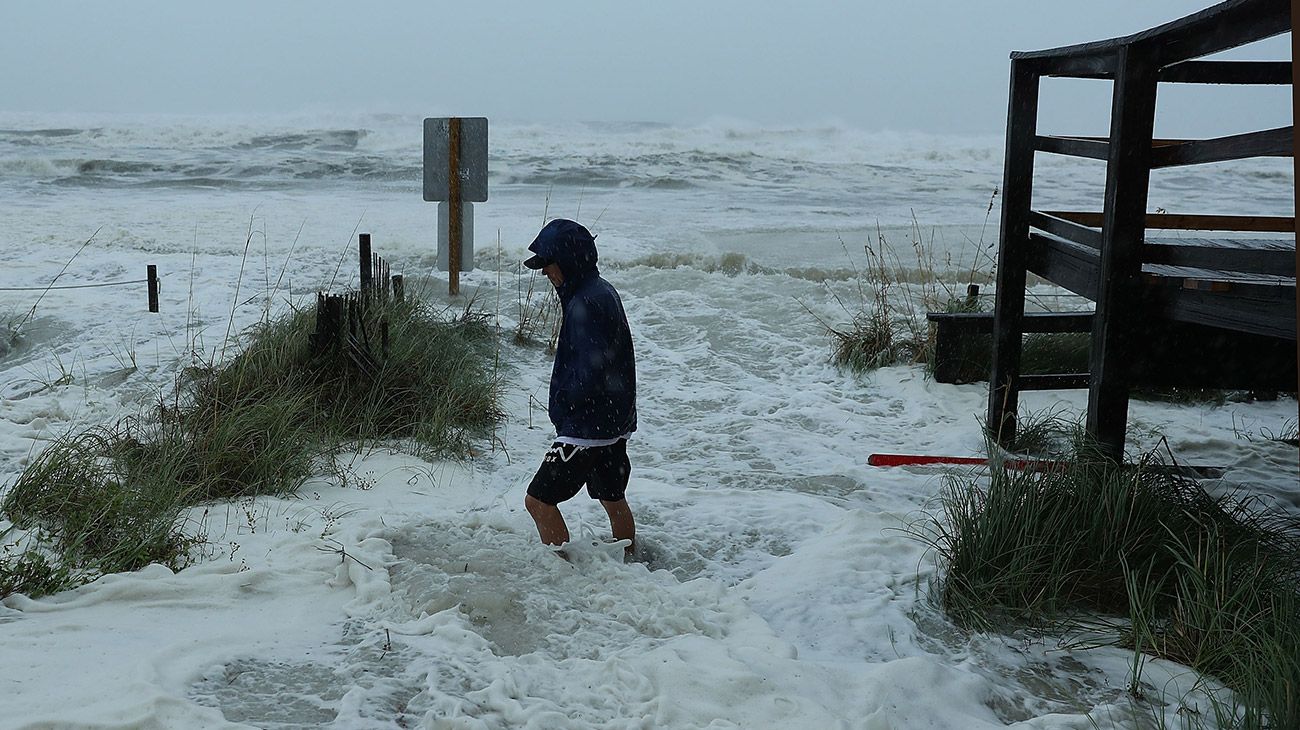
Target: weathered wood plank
x,y
1174,354
1217,28
1064,381
955,333
1267,143
1262,310
1089,66
1295,114
1119,283
1157,142
1065,264
1069,230
1192,222
1072,146
1158,273
1226,25
1189,355
1228,72
1245,260
1013,251
1076,267
982,322
1240,223
1248,244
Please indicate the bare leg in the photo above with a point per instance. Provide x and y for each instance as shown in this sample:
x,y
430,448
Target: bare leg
x,y
550,523
620,521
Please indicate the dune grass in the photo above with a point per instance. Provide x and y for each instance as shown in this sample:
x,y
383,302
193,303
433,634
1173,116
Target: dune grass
x,y
887,319
110,498
872,341
29,571
1210,582
877,337
537,313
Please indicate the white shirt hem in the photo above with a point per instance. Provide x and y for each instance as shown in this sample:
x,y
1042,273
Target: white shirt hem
x,y
590,442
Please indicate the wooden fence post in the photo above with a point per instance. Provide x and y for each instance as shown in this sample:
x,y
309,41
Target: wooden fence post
x,y
152,272
365,257
399,288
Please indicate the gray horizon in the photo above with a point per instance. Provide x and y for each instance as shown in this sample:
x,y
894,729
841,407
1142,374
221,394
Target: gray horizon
x,y
936,67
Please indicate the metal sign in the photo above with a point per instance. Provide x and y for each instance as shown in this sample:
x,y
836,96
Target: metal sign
x,y
473,158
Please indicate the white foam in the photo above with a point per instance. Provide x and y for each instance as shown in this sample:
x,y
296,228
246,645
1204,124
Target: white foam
x,y
777,587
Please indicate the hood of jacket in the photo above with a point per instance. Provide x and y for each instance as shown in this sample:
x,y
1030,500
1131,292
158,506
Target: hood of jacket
x,y
570,245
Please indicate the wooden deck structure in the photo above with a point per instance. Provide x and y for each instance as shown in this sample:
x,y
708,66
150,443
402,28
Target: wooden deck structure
x,y
1213,288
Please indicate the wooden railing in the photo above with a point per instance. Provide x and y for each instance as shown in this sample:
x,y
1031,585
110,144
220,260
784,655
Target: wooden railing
x,y
1114,239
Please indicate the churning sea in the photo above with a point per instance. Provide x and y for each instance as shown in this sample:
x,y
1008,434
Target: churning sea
x,y
780,588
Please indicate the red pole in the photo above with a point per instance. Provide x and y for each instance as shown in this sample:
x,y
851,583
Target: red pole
x,y
923,460
1212,472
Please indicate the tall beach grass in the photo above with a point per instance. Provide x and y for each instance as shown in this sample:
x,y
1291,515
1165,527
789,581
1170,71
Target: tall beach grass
x,y
111,498
894,292
1144,553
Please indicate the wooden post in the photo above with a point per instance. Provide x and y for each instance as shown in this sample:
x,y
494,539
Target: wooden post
x,y
453,207
318,338
1013,250
399,288
366,262
329,324
1295,159
947,352
1119,284
152,275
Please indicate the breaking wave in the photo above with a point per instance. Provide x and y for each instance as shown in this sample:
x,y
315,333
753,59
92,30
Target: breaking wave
x,y
828,168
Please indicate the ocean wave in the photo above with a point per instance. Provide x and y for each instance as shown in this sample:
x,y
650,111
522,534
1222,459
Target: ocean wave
x,y
1285,174
824,167
35,167
119,167
34,137
219,171
583,177
198,183
599,155
336,140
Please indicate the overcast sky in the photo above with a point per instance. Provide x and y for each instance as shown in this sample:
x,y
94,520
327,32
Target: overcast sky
x,y
936,65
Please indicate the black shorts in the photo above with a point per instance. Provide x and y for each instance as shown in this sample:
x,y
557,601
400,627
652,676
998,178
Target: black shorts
x,y
604,469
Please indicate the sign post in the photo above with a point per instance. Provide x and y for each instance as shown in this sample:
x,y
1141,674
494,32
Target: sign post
x,y
455,175
453,212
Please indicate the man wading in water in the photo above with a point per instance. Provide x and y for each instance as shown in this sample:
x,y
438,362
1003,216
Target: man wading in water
x,y
593,388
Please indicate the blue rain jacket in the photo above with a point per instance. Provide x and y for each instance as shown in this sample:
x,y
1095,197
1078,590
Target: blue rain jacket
x,y
593,382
